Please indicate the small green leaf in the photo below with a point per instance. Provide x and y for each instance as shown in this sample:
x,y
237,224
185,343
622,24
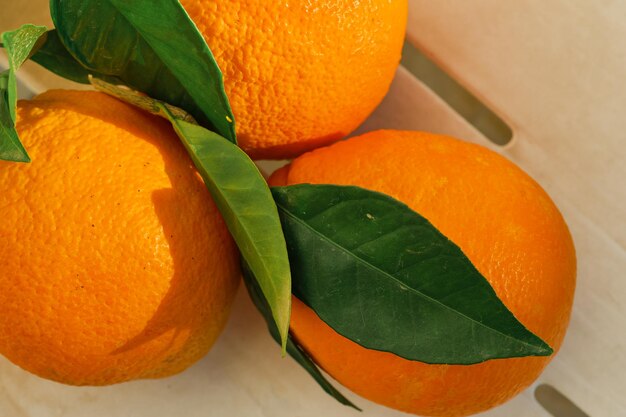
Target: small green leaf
x,y
246,203
241,194
153,47
53,56
381,275
11,148
294,350
20,44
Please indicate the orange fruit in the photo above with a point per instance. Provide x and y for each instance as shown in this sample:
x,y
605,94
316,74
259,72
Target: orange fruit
x,y
301,74
502,220
114,261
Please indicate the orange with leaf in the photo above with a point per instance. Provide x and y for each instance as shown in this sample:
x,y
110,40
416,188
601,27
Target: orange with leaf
x,y
502,220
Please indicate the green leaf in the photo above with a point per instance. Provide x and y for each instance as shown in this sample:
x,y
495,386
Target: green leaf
x,y
20,45
246,203
381,275
294,350
53,56
11,148
151,46
241,194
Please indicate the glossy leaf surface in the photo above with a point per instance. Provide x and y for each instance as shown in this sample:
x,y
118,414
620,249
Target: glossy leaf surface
x,y
165,58
53,56
383,276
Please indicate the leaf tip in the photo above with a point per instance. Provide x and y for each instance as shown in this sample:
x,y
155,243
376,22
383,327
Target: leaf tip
x,y
24,157
355,407
537,347
544,349
283,328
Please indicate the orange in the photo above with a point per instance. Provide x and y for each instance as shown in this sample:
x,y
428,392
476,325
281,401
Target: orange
x,y
114,261
301,74
501,219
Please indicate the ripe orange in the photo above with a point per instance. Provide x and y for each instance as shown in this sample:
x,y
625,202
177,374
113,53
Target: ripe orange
x,y
502,220
114,261
301,74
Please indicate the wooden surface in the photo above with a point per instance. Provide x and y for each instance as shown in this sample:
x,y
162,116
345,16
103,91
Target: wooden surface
x,y
554,71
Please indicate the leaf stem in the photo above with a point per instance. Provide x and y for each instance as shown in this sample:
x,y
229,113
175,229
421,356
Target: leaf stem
x,y
140,100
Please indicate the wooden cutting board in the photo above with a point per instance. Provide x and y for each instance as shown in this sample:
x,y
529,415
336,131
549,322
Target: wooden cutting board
x,y
554,72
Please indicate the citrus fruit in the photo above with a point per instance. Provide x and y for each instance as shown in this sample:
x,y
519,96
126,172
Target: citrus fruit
x,y
301,74
502,220
114,261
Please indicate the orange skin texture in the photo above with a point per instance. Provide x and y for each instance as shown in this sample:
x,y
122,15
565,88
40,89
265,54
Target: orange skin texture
x,y
502,220
301,74
115,263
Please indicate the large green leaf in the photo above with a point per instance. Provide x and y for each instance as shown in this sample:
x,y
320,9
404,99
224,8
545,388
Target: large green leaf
x,y
294,350
151,46
381,275
20,45
53,56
